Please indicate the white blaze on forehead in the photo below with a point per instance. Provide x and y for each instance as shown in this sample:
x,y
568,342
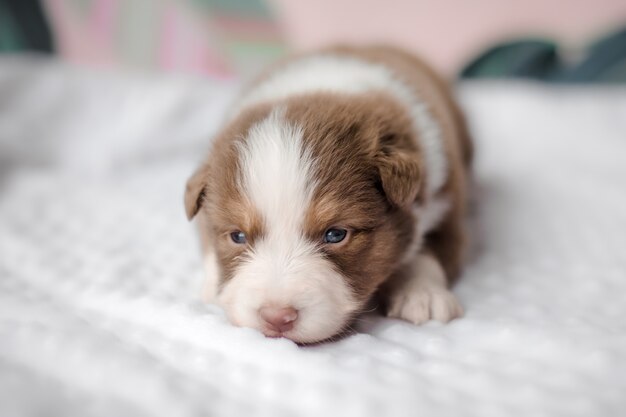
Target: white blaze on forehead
x,y
348,75
276,174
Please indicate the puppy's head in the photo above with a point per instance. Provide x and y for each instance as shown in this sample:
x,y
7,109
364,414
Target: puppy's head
x,y
306,203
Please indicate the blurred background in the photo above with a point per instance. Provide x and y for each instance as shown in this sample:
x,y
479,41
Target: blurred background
x,y
107,107
558,40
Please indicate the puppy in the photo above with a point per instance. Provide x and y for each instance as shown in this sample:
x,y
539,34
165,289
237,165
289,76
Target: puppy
x,y
339,175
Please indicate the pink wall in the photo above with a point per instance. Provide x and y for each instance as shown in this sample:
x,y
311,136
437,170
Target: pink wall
x,y
447,32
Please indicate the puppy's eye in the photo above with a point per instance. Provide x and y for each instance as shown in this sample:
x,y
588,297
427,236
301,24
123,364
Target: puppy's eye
x,y
238,237
335,235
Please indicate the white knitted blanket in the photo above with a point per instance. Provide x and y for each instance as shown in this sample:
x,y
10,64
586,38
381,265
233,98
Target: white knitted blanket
x,y
100,271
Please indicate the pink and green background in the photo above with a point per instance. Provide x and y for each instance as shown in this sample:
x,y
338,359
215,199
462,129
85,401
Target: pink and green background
x,y
229,37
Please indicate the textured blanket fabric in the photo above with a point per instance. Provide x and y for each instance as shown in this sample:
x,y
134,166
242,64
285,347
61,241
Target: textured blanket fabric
x,y
100,272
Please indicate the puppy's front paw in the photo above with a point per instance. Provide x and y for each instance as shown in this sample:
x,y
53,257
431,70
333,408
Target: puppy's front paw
x,y
418,305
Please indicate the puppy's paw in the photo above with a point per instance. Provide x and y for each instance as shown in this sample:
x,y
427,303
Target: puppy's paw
x,y
421,304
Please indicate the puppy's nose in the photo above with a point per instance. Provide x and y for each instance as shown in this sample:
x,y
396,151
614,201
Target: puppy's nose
x,y
280,319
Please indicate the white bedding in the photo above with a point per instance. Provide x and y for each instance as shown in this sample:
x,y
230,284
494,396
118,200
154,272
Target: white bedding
x,y
100,271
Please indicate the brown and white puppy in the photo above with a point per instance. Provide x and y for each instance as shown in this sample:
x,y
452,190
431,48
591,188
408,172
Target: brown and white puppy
x,y
340,175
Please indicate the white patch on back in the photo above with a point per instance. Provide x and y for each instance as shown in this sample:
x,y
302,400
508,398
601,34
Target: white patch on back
x,y
428,217
283,268
431,214
342,74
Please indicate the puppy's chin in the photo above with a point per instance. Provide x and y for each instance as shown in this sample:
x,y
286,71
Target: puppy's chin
x,y
322,299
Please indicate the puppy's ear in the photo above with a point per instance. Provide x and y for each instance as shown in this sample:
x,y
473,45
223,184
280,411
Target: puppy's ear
x,y
195,190
400,170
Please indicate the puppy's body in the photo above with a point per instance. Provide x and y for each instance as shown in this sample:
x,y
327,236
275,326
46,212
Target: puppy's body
x,y
339,175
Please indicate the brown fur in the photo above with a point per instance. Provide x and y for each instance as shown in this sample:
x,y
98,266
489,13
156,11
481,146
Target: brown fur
x,y
370,172
448,240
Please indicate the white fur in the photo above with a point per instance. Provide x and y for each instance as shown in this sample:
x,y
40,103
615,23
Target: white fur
x,y
283,268
430,214
427,216
349,75
424,295
276,174
298,277
211,280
